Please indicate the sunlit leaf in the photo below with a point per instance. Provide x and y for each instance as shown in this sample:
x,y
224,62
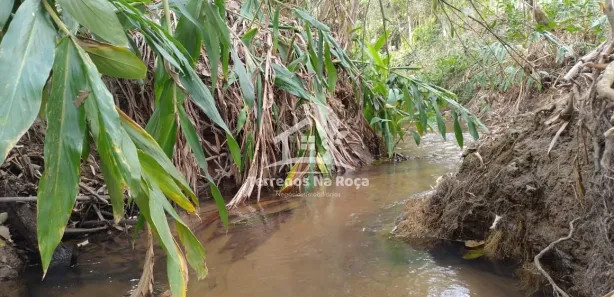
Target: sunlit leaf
x,y
381,41
473,254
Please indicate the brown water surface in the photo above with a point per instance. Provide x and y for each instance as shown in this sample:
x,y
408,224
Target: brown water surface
x,y
332,243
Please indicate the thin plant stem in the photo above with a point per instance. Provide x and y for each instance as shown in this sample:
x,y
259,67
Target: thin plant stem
x,y
381,8
55,18
167,16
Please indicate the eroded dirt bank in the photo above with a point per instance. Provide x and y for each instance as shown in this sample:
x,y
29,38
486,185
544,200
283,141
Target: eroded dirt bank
x,y
518,192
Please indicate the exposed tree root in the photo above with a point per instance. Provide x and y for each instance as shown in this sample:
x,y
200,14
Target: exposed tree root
x,y
145,285
556,137
583,61
604,85
557,290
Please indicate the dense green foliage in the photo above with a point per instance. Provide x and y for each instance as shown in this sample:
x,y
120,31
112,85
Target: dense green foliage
x,y
80,106
466,46
54,56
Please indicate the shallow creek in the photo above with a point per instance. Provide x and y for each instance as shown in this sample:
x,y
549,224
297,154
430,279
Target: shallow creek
x,y
333,243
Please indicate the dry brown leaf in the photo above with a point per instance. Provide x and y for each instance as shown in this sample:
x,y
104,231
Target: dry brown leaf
x,y
474,243
83,94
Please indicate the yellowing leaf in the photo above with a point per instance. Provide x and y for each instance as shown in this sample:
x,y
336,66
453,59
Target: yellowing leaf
x,y
165,182
473,254
149,146
113,60
59,185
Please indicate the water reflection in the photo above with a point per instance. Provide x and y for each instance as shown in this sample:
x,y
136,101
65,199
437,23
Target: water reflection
x,y
311,246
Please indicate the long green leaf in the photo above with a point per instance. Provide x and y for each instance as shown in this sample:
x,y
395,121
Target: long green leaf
x,y
331,72
26,57
289,82
6,7
219,201
174,53
248,37
192,139
59,185
194,251
163,125
148,145
176,267
441,124
99,16
245,81
275,30
307,17
187,32
458,132
158,175
235,150
213,48
114,182
116,150
113,60
191,136
471,127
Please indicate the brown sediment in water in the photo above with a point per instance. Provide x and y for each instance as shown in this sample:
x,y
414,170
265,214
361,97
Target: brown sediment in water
x,y
304,246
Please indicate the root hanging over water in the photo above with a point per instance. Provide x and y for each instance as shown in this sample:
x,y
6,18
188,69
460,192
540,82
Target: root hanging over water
x,y
541,168
558,291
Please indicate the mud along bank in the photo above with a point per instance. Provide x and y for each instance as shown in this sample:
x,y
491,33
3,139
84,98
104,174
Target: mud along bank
x,y
536,191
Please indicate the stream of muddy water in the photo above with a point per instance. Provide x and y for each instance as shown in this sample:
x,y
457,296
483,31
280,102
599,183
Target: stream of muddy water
x,y
333,243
